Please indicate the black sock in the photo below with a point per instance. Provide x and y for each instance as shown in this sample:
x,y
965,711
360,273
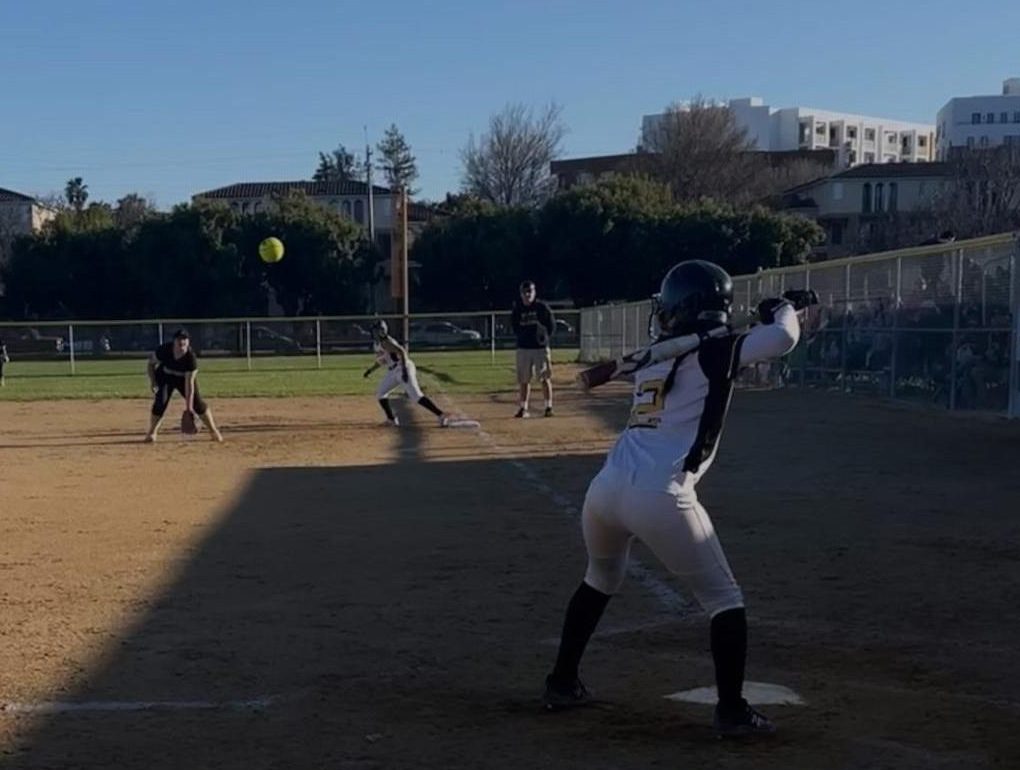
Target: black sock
x,y
427,403
583,614
385,404
729,651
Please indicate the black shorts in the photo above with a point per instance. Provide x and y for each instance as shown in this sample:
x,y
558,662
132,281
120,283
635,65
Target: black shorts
x,y
165,387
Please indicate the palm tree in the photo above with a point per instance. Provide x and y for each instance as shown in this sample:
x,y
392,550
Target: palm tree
x,y
76,192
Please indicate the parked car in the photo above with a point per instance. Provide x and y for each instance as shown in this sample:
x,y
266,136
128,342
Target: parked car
x,y
32,341
443,333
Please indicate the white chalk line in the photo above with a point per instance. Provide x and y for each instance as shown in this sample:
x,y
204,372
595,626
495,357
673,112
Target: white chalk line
x,y
667,596
65,707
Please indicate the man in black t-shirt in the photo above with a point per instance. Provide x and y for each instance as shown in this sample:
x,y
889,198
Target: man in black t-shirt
x,y
173,366
533,325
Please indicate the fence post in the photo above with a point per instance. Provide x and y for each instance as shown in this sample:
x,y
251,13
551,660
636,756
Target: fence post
x,y
247,342
896,326
846,325
804,356
957,298
1014,343
318,343
160,330
70,342
492,337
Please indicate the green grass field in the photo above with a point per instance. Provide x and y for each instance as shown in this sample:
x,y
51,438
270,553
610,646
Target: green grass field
x,y
456,372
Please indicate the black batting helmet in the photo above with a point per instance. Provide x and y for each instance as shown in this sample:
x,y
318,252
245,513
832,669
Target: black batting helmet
x,y
695,296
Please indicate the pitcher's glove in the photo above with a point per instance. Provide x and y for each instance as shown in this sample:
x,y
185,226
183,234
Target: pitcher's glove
x,y
188,426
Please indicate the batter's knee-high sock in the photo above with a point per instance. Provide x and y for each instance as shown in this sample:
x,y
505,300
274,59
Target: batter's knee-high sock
x,y
428,404
583,613
729,651
385,404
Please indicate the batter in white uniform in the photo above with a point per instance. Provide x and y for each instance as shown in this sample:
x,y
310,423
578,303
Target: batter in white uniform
x,y
400,371
646,489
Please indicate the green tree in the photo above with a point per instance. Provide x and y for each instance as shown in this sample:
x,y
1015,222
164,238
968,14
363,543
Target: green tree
x,y
132,210
396,161
337,166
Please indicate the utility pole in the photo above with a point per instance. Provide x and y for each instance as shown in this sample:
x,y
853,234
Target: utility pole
x,y
404,288
371,202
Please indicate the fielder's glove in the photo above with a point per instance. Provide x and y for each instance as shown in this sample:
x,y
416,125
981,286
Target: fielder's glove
x,y
188,426
801,298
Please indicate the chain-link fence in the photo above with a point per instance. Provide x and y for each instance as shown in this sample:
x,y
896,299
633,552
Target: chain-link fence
x,y
254,338
932,324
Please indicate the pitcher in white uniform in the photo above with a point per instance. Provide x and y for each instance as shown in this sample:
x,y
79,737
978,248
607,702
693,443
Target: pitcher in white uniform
x,y
646,488
400,371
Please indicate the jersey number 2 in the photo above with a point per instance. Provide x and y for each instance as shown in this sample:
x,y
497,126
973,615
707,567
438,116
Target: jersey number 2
x,y
642,411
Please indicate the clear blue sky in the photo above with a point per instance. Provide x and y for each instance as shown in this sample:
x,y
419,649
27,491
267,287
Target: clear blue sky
x,y
170,98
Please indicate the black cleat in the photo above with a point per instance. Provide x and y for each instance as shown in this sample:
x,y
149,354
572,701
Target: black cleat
x,y
741,721
522,413
557,697
548,411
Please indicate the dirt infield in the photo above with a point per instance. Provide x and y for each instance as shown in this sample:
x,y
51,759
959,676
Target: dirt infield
x,y
321,591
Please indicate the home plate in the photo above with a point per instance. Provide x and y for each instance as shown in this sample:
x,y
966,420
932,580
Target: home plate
x,y
756,693
457,422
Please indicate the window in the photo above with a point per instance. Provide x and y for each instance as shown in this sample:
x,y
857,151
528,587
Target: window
x,y
1016,117
853,157
1004,117
869,135
820,129
890,138
869,157
837,191
359,211
836,233
866,198
245,206
922,141
805,129
346,207
893,196
1011,139
984,141
851,132
878,197
990,117
970,142
975,118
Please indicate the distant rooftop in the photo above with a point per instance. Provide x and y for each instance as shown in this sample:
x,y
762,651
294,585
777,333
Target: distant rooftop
x,y
311,189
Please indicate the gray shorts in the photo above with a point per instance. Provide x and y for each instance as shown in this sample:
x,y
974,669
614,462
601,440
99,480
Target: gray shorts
x,y
532,363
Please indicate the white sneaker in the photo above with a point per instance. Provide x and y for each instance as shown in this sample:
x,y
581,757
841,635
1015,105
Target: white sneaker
x,y
444,421
395,422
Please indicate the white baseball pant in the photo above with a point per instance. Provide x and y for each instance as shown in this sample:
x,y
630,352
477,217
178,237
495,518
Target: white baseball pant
x,y
393,379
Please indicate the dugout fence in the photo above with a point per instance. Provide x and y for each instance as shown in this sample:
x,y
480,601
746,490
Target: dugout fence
x,y
931,324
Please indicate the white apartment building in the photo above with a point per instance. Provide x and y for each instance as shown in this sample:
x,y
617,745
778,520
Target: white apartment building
x,y
978,122
863,139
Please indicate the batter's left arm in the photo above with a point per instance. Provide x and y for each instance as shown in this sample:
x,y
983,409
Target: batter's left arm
x,y
771,340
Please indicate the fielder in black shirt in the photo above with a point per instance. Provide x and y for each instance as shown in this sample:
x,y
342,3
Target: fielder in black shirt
x,y
173,366
4,358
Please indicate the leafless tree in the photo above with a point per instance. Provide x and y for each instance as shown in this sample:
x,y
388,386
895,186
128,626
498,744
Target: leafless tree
x,y
509,164
703,153
983,194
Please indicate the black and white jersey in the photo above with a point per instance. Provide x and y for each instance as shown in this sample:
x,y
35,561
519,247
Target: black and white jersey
x,y
679,406
169,366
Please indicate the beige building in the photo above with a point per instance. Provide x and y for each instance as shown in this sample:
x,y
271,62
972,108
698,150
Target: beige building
x,y
21,214
348,199
849,204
